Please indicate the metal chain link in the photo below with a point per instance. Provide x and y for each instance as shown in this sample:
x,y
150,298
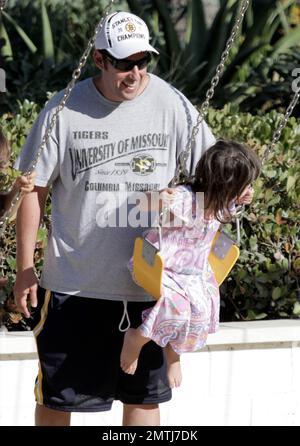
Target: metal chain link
x,y
282,123
75,76
181,170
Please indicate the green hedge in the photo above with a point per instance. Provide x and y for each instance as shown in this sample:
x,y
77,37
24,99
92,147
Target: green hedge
x,y
265,281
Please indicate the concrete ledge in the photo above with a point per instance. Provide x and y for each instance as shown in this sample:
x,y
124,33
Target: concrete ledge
x,y
17,345
253,332
239,335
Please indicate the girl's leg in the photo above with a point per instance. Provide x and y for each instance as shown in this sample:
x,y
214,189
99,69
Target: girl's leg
x,y
173,367
132,345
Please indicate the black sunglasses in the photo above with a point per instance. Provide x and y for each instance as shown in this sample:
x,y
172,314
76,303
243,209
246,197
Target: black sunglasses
x,y
128,65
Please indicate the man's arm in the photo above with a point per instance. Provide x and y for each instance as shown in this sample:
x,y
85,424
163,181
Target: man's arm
x,y
29,216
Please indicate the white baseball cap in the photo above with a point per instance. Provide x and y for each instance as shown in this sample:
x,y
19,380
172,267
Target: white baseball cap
x,y
123,34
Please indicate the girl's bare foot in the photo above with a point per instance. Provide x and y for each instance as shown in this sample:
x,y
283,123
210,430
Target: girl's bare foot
x,y
173,367
132,345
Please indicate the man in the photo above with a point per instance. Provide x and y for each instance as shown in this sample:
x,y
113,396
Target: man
x,y
119,132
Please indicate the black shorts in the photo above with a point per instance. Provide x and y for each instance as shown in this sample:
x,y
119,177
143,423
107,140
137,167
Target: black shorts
x,y
79,345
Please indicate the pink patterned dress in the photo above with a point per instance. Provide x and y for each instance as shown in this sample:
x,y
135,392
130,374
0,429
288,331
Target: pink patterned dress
x,y
188,309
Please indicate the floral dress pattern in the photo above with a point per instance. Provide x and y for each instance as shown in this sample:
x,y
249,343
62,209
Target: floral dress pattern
x,y
188,309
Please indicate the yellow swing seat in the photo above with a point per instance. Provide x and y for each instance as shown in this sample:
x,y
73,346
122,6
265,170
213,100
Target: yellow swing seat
x,y
223,256
148,267
148,264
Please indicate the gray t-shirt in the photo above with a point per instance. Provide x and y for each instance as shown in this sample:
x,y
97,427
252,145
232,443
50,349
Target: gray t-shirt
x,y
101,153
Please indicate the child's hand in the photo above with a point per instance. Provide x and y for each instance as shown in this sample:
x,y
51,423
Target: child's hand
x,y
246,196
165,199
25,183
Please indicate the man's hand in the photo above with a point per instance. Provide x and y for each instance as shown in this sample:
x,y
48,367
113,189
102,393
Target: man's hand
x,y
25,290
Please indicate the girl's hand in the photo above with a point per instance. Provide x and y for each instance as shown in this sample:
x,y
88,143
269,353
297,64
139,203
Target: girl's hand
x,y
246,196
25,183
157,203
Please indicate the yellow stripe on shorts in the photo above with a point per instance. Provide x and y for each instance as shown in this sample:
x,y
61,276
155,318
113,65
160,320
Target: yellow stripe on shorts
x,y
38,392
44,312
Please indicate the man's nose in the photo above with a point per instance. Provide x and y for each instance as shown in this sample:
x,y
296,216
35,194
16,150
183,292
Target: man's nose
x,y
135,71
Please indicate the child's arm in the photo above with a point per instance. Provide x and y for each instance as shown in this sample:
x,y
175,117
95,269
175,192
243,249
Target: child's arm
x,y
24,183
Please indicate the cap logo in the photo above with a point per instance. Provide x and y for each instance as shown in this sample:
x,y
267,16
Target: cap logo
x,y
130,27
123,34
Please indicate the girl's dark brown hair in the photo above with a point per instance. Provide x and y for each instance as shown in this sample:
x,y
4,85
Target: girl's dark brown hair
x,y
222,173
4,151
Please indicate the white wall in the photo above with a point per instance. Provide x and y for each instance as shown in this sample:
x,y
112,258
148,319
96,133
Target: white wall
x,y
248,375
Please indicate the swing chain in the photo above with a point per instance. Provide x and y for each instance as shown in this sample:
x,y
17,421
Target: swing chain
x,y
75,76
283,122
181,170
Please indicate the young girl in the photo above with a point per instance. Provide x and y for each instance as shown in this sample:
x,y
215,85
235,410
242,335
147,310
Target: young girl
x,y
188,309
25,184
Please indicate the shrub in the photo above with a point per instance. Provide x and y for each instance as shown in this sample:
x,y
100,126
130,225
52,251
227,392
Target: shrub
x,y
265,281
264,84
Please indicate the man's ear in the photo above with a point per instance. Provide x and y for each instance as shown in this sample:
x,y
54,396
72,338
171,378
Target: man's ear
x,y
98,59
